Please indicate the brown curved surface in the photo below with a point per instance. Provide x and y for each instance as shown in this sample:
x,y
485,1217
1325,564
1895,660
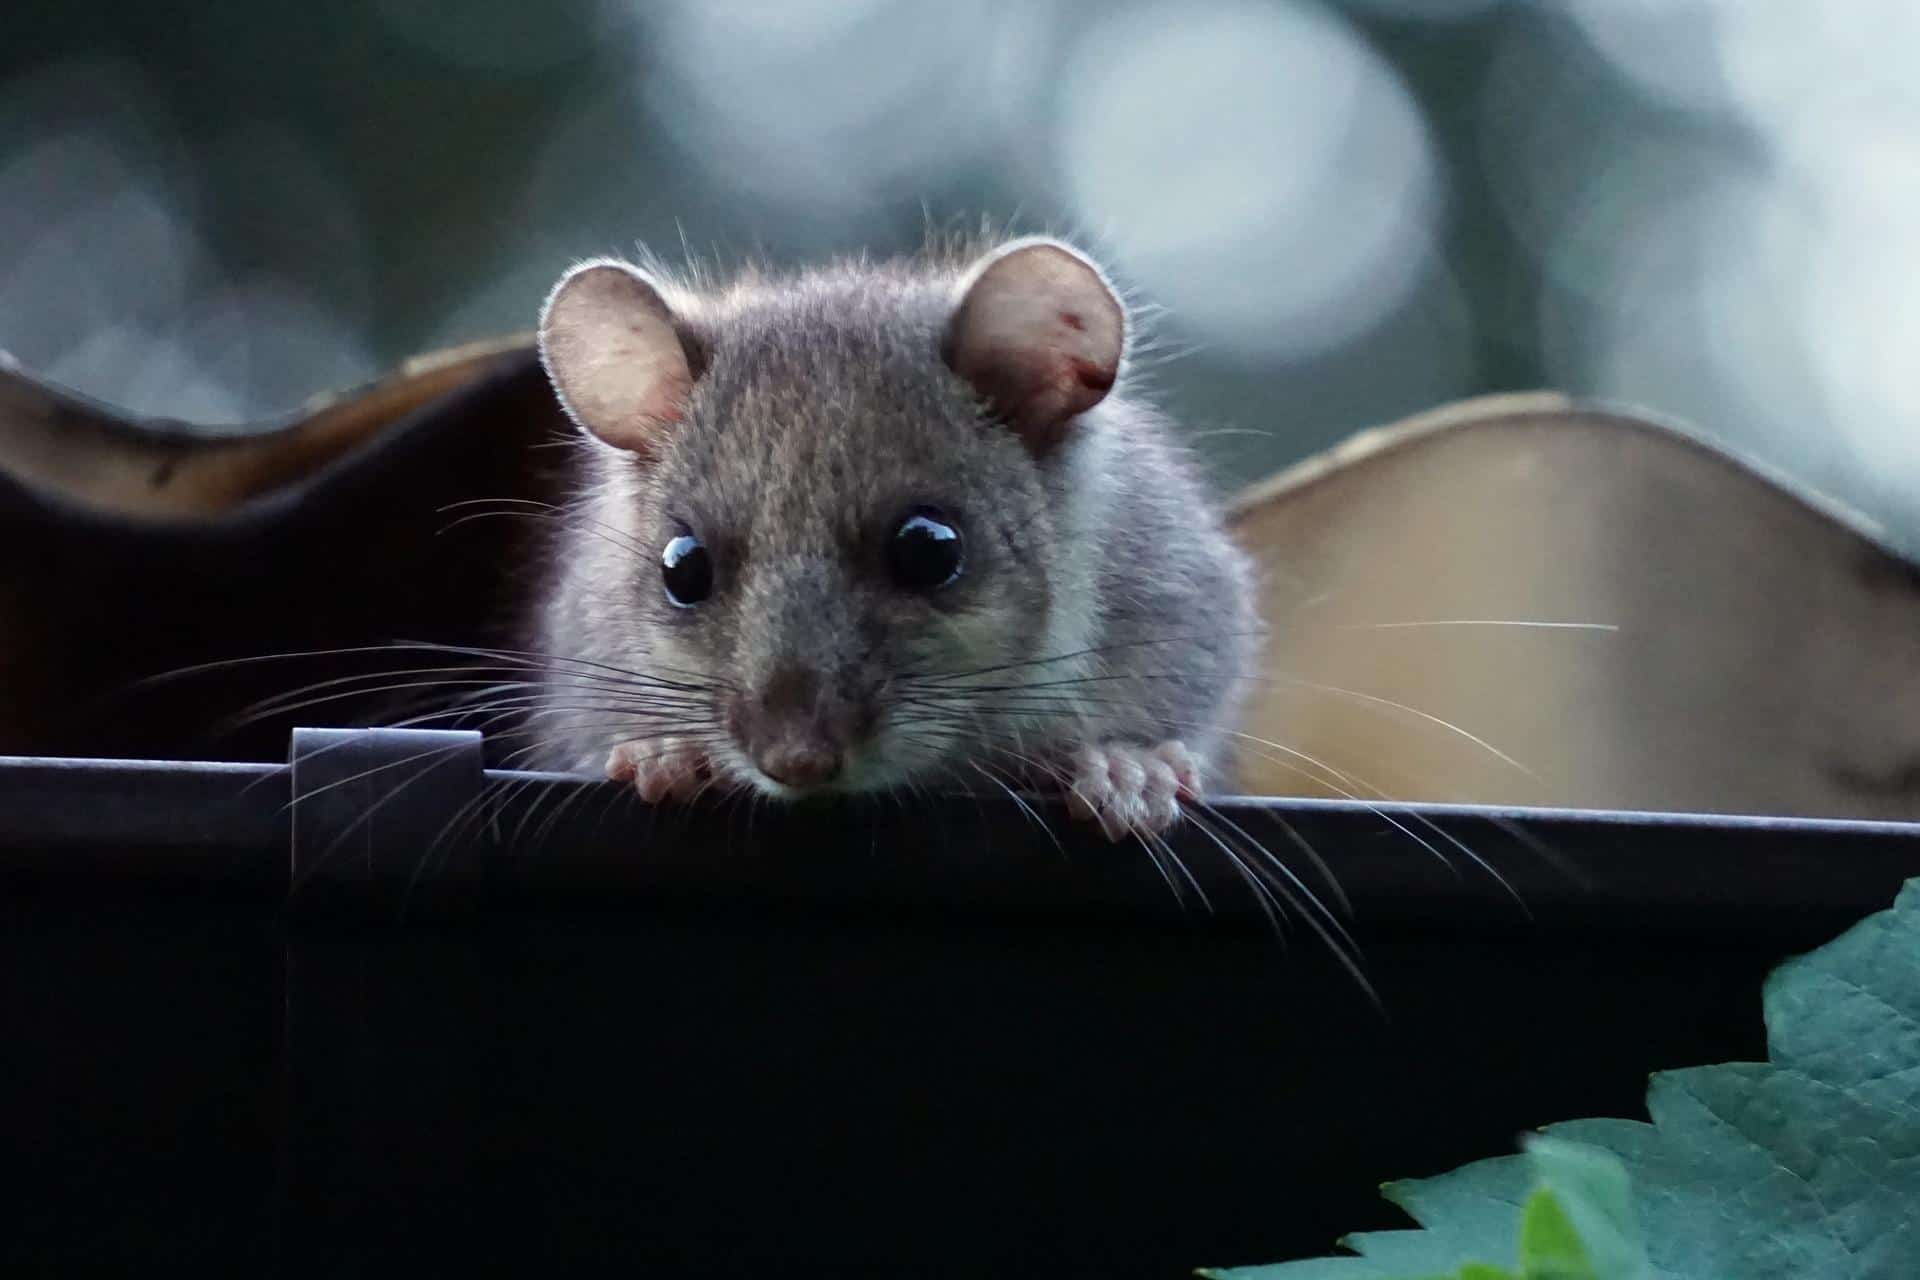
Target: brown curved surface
x,y
89,454
128,550
1767,656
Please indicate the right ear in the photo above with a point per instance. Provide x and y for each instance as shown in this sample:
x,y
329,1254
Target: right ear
x,y
1039,333
614,354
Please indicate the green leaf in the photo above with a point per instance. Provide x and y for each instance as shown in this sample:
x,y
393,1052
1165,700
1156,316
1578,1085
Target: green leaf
x,y
1591,1187
1807,1165
1550,1248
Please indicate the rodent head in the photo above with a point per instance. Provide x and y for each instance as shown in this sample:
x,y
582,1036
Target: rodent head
x,y
821,493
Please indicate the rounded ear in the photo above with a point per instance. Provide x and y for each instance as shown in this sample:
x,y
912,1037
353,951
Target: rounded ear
x,y
614,354
1039,333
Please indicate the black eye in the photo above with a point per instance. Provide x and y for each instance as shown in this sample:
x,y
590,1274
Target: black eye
x,y
687,570
924,554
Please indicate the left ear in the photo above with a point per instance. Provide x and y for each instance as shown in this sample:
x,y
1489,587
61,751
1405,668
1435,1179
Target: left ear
x,y
1039,333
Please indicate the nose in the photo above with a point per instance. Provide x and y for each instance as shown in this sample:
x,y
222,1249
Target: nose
x,y
795,728
800,764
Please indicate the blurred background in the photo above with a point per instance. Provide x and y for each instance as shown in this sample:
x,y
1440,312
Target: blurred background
x,y
1345,213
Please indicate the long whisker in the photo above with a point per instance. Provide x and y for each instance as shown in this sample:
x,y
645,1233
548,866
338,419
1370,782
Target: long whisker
x,y
1091,651
528,658
1344,785
1025,808
536,697
1263,893
1154,839
1525,623
1320,864
1301,682
543,511
1333,921
1333,938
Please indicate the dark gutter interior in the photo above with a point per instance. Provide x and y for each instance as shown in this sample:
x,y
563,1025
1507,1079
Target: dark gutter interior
x,y
384,1007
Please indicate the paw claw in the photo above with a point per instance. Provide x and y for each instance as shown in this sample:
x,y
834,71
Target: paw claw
x,y
659,768
1131,790
1185,769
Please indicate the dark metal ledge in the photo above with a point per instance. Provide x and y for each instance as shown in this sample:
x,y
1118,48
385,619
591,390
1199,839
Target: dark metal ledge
x,y
393,823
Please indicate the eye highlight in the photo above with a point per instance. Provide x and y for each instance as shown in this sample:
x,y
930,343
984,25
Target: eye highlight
x,y
686,570
924,553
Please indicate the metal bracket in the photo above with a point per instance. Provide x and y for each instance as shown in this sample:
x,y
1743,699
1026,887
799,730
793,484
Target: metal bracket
x,y
378,818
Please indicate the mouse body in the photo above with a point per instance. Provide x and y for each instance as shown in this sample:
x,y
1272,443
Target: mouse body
x,y
882,526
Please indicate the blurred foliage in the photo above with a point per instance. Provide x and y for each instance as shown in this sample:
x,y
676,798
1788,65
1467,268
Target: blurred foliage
x,y
1349,212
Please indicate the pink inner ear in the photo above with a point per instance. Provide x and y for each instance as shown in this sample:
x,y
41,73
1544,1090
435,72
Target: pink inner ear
x,y
1052,384
1039,392
1092,378
615,356
1039,335
644,377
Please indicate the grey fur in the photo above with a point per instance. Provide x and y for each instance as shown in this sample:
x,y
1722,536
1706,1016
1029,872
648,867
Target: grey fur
x,y
821,410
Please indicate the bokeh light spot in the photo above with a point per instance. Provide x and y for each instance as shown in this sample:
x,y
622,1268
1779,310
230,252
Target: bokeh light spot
x,y
1261,171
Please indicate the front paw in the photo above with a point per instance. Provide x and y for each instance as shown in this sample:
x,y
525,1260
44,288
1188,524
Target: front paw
x,y
1131,789
661,768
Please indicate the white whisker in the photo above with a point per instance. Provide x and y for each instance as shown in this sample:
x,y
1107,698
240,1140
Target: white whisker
x,y
1525,623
